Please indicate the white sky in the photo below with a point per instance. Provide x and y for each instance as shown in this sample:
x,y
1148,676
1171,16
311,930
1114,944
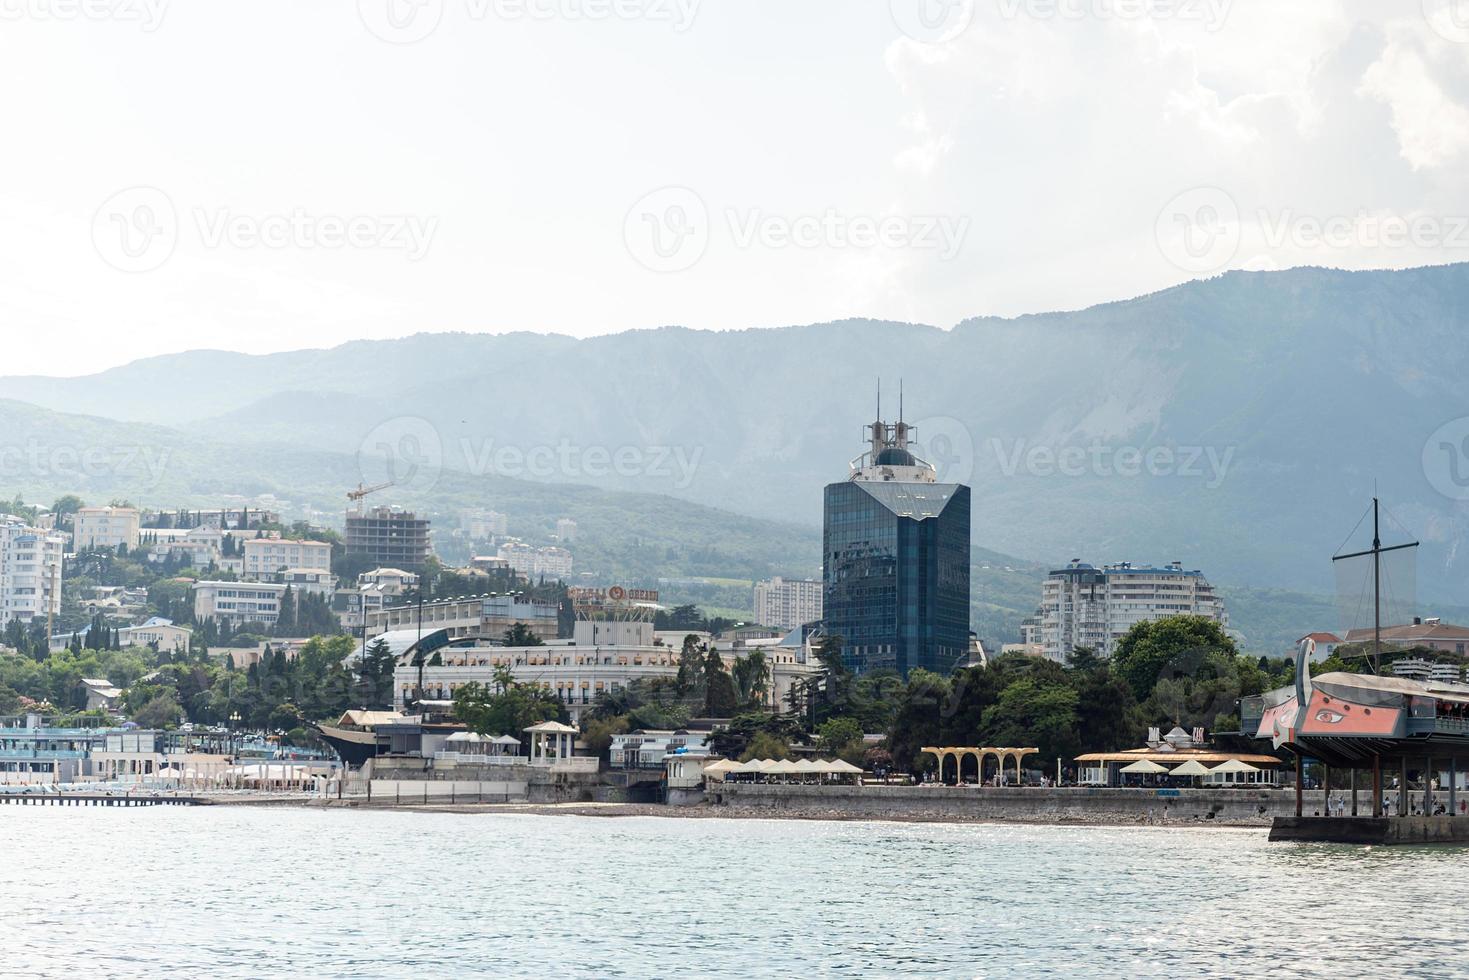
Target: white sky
x,y
1073,151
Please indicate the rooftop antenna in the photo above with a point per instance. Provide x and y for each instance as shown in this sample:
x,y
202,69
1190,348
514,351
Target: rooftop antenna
x,y
900,399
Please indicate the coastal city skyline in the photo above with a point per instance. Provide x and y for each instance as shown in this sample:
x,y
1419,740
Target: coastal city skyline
x,y
693,488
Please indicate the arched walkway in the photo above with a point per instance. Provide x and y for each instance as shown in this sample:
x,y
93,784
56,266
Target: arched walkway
x,y
951,758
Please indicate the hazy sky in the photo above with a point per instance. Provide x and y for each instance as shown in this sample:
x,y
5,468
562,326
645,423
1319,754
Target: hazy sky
x,y
287,173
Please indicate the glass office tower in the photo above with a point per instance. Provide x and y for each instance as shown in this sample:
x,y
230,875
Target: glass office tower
x,y
896,561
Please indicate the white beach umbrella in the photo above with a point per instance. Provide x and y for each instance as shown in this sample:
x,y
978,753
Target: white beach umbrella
x,y
1144,766
1235,765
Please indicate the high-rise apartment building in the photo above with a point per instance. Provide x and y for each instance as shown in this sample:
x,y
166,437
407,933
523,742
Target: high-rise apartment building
x,y
787,603
30,571
1086,606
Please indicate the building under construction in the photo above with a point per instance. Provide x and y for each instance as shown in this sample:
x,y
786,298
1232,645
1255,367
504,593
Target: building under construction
x,y
389,536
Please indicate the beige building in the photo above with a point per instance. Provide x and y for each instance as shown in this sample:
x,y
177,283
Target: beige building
x,y
264,557
1431,633
105,527
238,602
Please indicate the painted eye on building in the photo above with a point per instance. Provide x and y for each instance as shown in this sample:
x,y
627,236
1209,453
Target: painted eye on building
x,y
1329,717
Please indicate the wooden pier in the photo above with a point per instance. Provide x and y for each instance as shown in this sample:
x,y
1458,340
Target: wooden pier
x,y
97,799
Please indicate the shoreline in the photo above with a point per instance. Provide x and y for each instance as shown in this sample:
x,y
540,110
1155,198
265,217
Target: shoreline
x,y
727,812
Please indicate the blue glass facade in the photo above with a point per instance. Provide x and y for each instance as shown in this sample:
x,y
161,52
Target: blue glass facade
x,y
896,558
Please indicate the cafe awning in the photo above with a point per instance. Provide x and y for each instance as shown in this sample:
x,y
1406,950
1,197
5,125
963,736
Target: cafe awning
x,y
1191,768
1235,765
1144,766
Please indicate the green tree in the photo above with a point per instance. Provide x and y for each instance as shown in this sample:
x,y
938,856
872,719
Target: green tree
x,y
719,690
508,711
1031,712
691,668
161,711
766,745
520,635
918,719
65,509
1106,713
596,733
1156,649
751,676
375,675
839,736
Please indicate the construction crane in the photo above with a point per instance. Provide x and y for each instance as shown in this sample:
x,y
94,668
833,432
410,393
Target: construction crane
x,y
362,491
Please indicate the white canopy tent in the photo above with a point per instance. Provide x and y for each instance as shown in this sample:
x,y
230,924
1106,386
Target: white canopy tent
x,y
1235,765
1144,767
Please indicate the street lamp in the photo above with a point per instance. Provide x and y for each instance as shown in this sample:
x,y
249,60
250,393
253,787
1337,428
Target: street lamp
x,y
234,738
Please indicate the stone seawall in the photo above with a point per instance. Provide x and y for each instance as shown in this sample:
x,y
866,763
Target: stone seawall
x,y
1251,808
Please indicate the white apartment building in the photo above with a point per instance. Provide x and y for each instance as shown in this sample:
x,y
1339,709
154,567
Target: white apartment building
x,y
566,530
390,581
200,545
238,602
482,525
787,603
30,571
105,527
1418,669
1086,606
266,556
532,563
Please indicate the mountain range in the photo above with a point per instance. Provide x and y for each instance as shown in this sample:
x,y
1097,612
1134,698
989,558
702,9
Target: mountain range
x,y
1239,424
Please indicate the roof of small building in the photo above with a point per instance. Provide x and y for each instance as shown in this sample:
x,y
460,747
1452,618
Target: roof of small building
x,y
1412,631
551,728
1176,756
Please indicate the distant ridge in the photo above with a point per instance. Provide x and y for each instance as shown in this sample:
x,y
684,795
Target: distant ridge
x,y
1279,398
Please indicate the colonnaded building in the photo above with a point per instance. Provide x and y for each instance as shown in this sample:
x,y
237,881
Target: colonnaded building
x,y
895,560
612,645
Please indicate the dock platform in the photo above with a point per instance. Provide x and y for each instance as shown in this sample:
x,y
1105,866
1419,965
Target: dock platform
x,y
97,799
1372,830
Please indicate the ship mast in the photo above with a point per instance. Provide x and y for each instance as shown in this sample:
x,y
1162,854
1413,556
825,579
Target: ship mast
x,y
1376,551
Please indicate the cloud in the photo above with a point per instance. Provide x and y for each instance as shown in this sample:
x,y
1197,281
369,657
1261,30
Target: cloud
x,y
1432,129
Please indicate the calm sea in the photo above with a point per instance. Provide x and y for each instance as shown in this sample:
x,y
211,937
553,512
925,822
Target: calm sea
x,y
240,892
